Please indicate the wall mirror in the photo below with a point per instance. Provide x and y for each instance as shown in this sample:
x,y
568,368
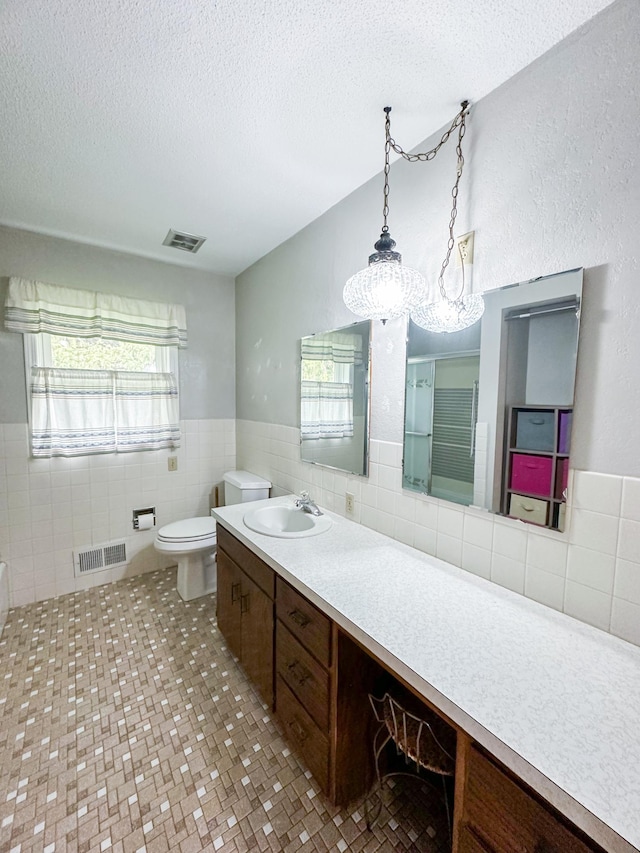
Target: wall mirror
x,y
334,398
488,410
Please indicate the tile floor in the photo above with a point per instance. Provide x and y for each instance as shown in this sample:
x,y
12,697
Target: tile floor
x,y
127,726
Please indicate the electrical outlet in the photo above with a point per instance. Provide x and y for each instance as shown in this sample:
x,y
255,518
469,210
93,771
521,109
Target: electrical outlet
x,y
349,503
172,463
464,249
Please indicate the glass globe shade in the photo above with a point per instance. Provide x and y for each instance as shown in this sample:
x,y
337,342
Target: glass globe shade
x,y
447,315
384,290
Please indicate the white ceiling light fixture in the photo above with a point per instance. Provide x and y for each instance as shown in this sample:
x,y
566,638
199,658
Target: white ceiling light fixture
x,y
451,314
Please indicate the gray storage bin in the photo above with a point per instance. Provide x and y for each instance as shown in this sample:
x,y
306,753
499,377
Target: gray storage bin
x,y
535,429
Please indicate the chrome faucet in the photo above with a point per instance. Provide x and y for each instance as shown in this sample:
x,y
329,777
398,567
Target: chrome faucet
x,y
305,503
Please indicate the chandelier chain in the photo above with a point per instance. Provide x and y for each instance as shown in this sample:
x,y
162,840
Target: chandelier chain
x,y
426,155
387,147
454,211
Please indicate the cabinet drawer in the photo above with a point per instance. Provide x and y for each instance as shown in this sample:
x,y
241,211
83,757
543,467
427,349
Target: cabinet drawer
x,y
470,843
506,817
311,627
311,744
531,474
303,674
535,430
259,572
528,509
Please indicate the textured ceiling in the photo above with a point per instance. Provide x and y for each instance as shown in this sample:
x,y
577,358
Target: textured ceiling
x,y
239,120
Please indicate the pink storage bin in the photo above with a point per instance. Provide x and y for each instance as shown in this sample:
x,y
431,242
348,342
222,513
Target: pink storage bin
x,y
531,474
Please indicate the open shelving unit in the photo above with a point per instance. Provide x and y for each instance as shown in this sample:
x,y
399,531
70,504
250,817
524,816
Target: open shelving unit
x,y
537,464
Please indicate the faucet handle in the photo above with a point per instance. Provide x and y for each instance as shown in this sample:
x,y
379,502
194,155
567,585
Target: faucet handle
x,y
304,495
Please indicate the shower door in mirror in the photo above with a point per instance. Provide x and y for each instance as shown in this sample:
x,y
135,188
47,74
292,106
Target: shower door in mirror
x,y
441,404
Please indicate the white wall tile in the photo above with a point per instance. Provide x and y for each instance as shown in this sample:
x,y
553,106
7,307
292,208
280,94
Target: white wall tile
x,y
425,539
587,604
507,572
597,492
591,568
476,560
510,540
631,498
449,548
629,540
625,620
450,521
627,581
594,530
545,587
478,531
547,554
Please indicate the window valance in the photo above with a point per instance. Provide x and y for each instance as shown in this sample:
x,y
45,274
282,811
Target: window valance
x,y
339,348
34,306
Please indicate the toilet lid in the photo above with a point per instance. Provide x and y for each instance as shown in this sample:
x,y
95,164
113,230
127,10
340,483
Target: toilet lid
x,y
192,529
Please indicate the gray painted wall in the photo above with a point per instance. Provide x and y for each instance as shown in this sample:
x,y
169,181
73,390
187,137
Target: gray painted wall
x,y
551,183
207,366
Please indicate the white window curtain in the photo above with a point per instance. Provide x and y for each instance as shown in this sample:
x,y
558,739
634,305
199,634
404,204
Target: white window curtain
x,y
81,412
341,348
35,306
326,410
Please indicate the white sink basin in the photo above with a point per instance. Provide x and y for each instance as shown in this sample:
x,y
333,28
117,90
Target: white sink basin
x,y
285,522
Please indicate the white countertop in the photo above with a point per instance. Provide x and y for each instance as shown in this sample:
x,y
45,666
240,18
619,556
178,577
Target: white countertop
x,y
553,699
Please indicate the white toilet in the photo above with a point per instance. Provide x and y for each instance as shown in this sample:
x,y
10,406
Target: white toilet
x,y
192,541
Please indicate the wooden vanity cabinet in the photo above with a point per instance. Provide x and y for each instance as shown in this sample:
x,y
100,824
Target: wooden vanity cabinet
x,y
499,815
318,679
246,588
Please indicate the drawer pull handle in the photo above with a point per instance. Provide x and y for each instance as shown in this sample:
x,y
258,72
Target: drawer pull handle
x,y
299,618
536,421
299,731
244,603
299,672
235,592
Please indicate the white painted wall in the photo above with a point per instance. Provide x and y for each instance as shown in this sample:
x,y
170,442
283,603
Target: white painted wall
x,y
552,183
49,507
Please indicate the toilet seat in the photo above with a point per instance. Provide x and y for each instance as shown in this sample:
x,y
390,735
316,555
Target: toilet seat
x,y
190,534
188,530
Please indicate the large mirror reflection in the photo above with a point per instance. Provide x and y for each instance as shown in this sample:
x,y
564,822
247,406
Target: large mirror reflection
x,y
334,398
488,410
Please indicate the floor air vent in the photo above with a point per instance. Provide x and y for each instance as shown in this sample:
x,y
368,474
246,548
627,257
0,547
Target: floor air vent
x,y
97,558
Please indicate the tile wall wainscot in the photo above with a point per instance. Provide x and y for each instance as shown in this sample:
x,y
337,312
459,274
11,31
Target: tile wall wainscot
x,y
591,572
48,507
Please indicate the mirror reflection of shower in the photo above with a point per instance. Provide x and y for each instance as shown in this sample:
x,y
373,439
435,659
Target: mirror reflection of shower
x,y
440,419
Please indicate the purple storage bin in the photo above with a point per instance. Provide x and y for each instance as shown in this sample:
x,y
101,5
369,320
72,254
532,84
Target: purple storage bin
x,y
564,437
562,477
531,474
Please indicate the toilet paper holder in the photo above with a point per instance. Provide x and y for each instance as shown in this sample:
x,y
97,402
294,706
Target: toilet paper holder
x,y
144,519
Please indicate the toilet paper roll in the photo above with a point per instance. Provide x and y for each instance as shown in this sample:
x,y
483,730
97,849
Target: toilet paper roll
x,y
146,521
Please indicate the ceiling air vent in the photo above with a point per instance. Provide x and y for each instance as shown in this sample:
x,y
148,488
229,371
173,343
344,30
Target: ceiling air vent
x,y
181,240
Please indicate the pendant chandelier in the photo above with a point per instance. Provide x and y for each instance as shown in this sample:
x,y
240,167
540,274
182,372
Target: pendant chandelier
x,y
386,288
449,314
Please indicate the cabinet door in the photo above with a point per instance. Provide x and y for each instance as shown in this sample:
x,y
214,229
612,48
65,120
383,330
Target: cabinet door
x,y
228,603
470,843
257,637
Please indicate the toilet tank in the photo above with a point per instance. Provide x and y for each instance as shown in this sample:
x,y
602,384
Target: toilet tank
x,y
243,486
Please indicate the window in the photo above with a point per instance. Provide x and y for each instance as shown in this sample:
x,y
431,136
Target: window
x,y
327,370
101,369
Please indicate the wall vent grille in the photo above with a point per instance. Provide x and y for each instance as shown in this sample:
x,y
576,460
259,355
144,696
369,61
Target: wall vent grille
x,y
97,558
181,240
